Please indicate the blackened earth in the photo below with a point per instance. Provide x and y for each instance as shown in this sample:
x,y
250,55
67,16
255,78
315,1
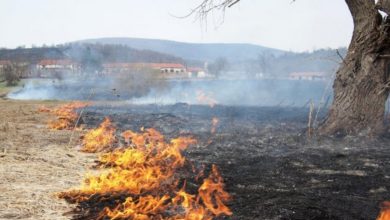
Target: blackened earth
x,y
270,166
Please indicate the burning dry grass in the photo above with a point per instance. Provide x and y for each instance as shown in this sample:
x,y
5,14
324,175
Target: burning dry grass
x,y
214,124
142,182
385,211
66,115
99,139
205,99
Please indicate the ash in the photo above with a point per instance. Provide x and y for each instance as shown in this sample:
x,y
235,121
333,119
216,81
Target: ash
x,y
270,166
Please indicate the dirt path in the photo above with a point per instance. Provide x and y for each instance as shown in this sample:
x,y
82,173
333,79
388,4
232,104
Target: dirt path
x,y
35,163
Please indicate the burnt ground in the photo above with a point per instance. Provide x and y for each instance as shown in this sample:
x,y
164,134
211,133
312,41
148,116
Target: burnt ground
x,y
270,167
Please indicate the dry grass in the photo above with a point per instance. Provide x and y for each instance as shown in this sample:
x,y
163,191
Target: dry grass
x,y
35,163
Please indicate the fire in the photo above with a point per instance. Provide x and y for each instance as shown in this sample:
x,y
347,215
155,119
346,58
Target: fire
x,y
213,194
214,124
66,115
204,99
145,176
385,211
99,139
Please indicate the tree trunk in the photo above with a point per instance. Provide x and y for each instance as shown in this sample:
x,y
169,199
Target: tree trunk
x,y
361,86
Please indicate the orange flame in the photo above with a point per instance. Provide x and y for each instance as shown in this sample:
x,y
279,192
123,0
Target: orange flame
x,y
385,211
146,171
66,115
213,195
214,124
204,99
99,139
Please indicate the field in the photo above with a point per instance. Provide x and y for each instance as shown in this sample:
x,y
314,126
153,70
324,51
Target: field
x,y
270,167
35,163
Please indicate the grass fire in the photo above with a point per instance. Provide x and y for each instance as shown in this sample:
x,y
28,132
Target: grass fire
x,y
66,115
141,180
130,110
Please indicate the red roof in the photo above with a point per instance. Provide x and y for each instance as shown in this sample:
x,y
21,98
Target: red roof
x,y
195,69
167,65
55,62
139,65
5,62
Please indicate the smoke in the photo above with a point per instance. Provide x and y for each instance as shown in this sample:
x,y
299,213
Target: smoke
x,y
90,86
143,89
241,93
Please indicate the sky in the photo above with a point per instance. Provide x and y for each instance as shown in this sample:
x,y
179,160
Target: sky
x,y
304,25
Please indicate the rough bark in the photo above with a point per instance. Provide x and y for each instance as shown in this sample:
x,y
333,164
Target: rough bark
x,y
384,5
360,88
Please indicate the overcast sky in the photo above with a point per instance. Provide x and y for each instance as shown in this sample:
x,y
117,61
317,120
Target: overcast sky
x,y
300,26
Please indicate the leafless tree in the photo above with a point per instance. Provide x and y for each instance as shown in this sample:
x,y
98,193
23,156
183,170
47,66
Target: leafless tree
x,y
362,82
10,75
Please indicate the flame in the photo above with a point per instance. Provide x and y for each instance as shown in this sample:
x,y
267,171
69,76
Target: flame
x,y
385,211
66,115
214,124
204,99
213,195
146,173
99,139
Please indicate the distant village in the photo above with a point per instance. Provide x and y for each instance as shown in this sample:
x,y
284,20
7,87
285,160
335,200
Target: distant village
x,y
57,68
51,68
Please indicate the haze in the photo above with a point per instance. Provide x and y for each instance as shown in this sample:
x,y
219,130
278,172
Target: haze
x,y
300,26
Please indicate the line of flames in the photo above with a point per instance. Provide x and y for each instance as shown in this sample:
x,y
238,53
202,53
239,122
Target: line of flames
x,y
146,170
66,115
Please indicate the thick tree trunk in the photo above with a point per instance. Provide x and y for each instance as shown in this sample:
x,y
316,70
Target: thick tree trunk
x,y
361,84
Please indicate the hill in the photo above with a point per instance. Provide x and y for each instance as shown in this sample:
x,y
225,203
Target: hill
x,y
192,51
81,52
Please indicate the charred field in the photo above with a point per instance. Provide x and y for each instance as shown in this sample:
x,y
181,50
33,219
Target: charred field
x,y
269,165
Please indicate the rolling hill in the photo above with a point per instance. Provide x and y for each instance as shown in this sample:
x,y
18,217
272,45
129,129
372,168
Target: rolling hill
x,y
192,51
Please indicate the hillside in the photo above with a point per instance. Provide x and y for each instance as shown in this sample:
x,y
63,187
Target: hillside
x,y
86,52
192,51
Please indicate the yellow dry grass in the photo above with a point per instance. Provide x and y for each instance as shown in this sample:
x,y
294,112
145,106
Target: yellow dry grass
x,y
35,163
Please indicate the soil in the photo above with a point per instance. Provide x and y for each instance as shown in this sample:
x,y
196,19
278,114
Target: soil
x,y
270,166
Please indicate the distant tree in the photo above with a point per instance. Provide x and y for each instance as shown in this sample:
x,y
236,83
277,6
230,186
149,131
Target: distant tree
x,y
218,66
139,82
91,60
10,75
21,70
264,61
362,83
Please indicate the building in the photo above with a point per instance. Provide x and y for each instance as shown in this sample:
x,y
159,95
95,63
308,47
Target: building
x,y
174,68
196,72
118,68
4,63
307,76
63,64
167,70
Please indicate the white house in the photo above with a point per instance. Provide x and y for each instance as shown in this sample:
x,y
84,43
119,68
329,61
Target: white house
x,y
307,76
196,72
57,65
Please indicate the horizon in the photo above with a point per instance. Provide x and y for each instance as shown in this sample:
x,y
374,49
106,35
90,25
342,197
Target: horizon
x,y
167,40
302,26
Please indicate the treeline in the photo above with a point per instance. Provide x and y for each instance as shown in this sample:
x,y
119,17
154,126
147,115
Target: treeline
x,y
323,60
95,53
